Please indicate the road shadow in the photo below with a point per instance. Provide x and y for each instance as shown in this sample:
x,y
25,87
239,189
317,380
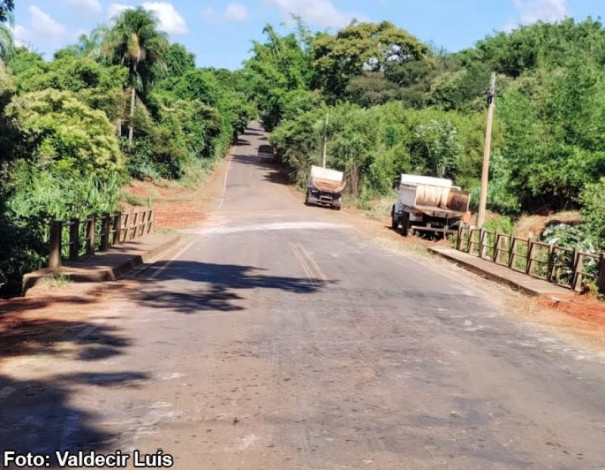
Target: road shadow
x,y
277,176
254,160
276,173
218,287
241,142
37,413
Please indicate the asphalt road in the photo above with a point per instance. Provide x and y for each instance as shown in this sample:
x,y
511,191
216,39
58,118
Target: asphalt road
x,y
279,338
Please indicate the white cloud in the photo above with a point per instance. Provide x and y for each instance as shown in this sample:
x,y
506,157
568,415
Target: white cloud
x,y
210,14
236,12
531,11
169,19
116,8
315,12
41,27
86,7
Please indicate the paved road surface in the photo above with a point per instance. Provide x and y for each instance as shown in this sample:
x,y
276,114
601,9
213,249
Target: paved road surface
x,y
281,339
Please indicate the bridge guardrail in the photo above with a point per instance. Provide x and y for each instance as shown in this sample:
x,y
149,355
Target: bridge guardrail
x,y
566,267
95,233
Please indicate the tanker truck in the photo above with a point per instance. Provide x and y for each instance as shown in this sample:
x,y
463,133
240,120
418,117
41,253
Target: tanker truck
x,y
325,187
428,205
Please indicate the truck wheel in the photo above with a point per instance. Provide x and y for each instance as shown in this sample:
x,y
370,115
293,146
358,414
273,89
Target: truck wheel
x,y
307,198
394,221
405,224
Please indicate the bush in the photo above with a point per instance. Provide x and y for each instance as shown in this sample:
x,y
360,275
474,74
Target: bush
x,y
592,199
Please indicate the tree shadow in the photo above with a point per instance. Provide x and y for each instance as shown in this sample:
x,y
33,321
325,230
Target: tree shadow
x,y
44,337
37,415
253,160
276,173
36,410
278,177
241,142
218,287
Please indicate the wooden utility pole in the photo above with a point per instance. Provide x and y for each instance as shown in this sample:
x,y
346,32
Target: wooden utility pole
x,y
487,151
325,141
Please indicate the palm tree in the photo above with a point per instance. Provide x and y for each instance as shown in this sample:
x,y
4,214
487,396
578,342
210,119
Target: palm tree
x,y
89,45
135,42
6,43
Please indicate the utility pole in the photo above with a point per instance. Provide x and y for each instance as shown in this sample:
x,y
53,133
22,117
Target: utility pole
x,y
325,141
487,151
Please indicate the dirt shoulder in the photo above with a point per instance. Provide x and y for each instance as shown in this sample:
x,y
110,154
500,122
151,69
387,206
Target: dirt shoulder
x,y
177,206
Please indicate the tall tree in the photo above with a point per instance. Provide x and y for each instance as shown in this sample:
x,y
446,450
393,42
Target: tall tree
x,y
278,66
6,8
361,47
135,42
6,43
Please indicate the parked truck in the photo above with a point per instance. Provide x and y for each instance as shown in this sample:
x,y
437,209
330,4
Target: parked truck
x,y
325,187
428,204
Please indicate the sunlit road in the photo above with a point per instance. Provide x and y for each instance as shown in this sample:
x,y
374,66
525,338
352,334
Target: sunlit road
x,y
278,338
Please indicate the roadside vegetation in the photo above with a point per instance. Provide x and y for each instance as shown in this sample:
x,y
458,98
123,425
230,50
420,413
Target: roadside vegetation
x,y
124,103
121,103
389,104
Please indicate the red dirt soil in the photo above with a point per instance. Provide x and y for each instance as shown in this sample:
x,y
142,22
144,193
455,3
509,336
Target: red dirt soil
x,y
177,207
580,306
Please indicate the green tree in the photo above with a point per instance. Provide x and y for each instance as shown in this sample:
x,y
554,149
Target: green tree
x,y
371,89
22,59
65,134
359,47
278,66
134,41
437,145
6,43
88,45
6,8
178,60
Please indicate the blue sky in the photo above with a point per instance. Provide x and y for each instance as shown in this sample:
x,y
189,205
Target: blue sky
x,y
220,32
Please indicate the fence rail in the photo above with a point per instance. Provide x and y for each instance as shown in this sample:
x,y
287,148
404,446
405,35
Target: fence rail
x,y
563,266
72,239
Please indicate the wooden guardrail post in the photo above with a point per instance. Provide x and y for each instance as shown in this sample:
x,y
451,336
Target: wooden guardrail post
x,y
151,221
117,228
481,251
577,270
74,239
132,230
105,229
530,252
601,279
141,227
90,235
511,256
124,229
551,262
496,252
54,256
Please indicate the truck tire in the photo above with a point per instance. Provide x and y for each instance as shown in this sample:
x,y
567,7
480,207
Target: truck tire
x,y
394,221
405,224
307,198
